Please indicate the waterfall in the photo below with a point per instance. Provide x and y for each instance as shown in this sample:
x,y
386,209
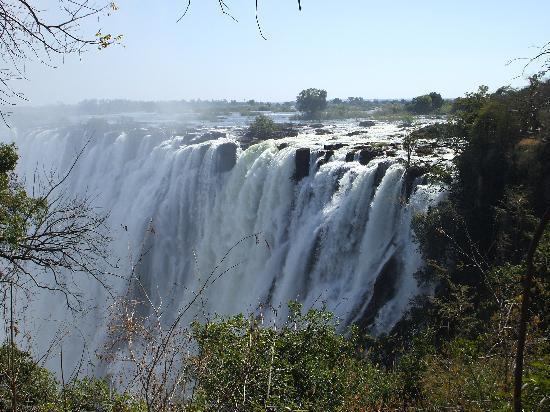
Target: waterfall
x,y
338,234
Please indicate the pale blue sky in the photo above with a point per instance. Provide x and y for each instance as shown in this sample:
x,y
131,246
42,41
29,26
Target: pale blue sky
x,y
362,48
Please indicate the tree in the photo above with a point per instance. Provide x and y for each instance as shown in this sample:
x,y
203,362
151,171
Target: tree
x,y
262,127
311,101
44,239
437,100
422,104
46,235
426,103
33,33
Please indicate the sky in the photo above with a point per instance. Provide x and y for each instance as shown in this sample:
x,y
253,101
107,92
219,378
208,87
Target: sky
x,y
382,49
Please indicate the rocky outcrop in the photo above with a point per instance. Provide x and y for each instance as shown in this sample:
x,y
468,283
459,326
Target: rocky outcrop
x,y
302,160
411,174
356,133
369,153
226,156
367,123
380,172
324,157
335,146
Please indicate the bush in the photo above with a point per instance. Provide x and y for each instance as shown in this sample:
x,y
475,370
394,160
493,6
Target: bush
x,y
262,127
302,365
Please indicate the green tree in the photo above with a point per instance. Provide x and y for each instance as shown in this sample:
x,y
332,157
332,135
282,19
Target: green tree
x,y
311,102
421,104
46,234
262,127
36,386
437,101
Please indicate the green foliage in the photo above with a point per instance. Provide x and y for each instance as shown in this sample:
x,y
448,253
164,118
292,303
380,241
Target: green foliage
x,y
35,386
303,364
311,101
262,127
18,211
475,244
426,103
460,377
36,389
93,395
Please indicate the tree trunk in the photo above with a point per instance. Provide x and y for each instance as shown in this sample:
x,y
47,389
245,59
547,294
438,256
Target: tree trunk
x,y
527,282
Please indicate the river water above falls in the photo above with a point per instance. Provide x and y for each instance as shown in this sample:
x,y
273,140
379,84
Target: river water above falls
x,y
330,213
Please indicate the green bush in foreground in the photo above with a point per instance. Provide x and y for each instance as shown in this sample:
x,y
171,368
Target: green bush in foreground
x,y
37,390
303,364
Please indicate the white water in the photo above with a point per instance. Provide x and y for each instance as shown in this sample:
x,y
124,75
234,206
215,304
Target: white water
x,y
325,239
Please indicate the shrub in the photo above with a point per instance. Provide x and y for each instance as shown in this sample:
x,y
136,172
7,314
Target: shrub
x,y
262,127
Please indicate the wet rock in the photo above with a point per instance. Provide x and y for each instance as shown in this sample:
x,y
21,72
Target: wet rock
x,y
367,154
350,156
282,146
316,125
391,152
322,131
334,146
424,150
384,289
324,157
302,160
367,123
213,135
356,133
411,176
226,156
284,132
380,172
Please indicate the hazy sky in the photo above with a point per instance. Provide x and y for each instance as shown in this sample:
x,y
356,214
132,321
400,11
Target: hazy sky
x,y
382,49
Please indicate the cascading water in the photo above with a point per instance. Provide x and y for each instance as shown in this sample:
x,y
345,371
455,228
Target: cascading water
x,y
331,230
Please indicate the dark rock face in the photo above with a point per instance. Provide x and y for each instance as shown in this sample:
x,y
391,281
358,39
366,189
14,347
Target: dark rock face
x,y
324,157
322,131
367,123
380,172
367,154
282,146
303,158
334,146
350,156
226,157
412,173
356,133
384,290
316,125
213,135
